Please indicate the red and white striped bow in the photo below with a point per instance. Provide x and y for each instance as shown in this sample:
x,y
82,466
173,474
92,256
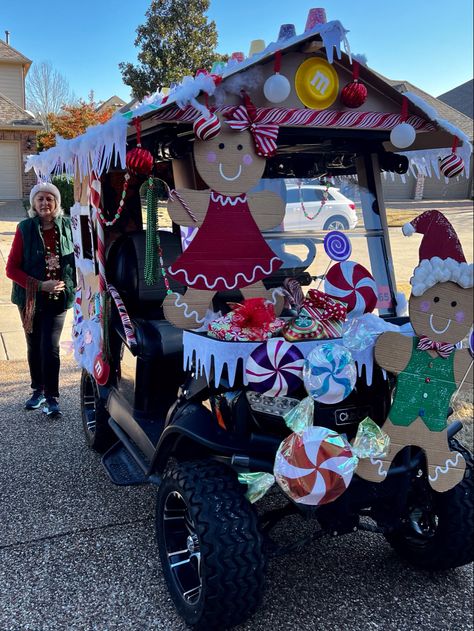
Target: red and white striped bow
x,y
264,135
442,348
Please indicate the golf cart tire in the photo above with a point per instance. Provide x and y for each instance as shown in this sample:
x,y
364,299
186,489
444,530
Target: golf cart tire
x,y
95,418
451,543
339,218
224,525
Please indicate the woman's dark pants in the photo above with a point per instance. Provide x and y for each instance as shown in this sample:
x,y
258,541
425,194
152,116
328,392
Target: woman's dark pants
x,y
43,347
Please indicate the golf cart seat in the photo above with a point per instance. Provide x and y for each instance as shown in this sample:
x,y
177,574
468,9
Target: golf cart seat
x,y
156,337
159,350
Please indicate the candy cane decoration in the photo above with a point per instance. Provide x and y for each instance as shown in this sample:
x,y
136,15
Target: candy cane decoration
x,y
95,190
126,322
307,118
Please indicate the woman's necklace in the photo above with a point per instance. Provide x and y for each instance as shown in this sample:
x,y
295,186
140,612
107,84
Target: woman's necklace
x,y
51,256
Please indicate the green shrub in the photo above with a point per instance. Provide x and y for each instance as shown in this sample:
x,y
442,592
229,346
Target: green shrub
x,y
66,188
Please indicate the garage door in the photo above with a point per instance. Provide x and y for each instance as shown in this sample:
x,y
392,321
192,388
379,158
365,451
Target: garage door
x,y
10,170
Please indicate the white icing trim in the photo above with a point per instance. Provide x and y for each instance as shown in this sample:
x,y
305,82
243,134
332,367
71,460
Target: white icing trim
x,y
227,199
230,179
381,471
439,469
435,330
187,313
244,279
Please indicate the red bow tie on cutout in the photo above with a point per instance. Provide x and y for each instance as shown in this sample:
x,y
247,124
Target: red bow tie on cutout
x,y
264,136
442,348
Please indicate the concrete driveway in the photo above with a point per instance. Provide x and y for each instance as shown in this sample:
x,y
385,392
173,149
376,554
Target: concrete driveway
x,y
78,553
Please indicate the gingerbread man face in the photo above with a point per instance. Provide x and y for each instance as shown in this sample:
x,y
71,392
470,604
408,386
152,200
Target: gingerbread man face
x,y
228,163
443,312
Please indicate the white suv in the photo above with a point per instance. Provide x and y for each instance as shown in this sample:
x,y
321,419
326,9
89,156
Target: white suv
x,y
307,209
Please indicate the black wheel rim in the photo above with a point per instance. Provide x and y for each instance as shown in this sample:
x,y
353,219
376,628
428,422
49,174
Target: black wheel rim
x,y
89,406
182,547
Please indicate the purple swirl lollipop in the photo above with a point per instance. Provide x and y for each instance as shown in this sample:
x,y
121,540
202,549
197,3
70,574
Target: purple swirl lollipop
x,y
337,245
471,341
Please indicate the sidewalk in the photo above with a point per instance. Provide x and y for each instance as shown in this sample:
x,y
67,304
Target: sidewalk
x,y
12,337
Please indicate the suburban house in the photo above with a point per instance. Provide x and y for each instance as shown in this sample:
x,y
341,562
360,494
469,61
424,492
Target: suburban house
x,y
410,187
461,98
115,102
18,127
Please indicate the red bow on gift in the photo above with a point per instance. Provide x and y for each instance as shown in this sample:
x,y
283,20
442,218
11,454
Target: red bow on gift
x,y
332,309
252,313
264,135
444,349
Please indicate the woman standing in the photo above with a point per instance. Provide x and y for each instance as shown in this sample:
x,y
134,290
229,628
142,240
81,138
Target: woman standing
x,y
41,266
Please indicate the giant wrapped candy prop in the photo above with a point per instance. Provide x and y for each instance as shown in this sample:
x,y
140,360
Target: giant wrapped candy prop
x,y
315,466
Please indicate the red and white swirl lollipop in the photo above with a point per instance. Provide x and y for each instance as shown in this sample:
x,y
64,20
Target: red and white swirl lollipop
x,y
315,466
353,284
275,368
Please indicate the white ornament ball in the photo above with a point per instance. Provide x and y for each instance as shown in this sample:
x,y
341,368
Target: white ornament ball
x,y
276,88
402,136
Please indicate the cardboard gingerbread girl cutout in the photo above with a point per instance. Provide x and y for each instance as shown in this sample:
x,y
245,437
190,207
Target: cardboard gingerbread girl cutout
x,y
429,367
228,251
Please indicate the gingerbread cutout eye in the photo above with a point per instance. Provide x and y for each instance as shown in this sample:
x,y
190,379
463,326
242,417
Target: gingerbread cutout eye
x,y
436,299
239,147
221,145
454,304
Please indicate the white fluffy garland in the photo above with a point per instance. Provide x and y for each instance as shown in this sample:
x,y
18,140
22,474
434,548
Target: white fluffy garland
x,y
436,270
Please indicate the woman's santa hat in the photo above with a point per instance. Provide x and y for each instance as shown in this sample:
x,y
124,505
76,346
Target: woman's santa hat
x,y
441,255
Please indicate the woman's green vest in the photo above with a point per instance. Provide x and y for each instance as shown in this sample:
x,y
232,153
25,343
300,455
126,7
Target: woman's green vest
x,y
34,253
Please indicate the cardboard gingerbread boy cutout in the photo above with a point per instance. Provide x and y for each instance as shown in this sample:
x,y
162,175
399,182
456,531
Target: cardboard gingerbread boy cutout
x,y
228,251
429,367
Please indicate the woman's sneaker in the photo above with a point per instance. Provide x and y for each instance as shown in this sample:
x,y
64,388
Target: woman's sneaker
x,y
52,407
35,401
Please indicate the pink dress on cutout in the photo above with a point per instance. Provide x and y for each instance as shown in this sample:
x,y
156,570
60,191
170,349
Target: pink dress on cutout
x,y
228,250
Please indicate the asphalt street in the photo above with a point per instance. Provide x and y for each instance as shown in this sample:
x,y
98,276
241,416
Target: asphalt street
x,y
78,553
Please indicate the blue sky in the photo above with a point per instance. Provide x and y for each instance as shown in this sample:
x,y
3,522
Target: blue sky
x,y
429,43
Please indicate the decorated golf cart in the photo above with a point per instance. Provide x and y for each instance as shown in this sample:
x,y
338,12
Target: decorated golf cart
x,y
234,344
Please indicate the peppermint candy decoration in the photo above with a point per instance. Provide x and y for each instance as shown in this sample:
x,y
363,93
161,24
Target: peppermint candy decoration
x,y
337,246
353,284
275,368
329,373
314,467
206,128
451,166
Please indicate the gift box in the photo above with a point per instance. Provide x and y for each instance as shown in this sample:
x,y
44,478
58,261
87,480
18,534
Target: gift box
x,y
321,318
252,321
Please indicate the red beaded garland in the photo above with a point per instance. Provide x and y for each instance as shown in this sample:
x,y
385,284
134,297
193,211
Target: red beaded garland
x,y
103,220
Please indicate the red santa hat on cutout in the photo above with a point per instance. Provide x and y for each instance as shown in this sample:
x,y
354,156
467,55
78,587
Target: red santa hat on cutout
x,y
441,255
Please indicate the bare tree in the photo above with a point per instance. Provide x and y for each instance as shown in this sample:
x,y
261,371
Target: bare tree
x,y
47,91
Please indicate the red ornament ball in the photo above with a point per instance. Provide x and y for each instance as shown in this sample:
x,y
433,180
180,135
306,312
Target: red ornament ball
x,y
354,94
139,161
206,128
452,165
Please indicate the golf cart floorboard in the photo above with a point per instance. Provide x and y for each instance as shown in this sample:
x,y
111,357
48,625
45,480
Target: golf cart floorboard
x,y
121,466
